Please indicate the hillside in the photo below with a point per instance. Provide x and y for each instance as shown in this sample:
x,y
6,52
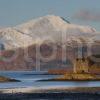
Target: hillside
x,y
48,27
47,32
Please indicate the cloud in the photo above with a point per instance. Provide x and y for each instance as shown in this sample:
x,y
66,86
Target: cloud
x,y
87,15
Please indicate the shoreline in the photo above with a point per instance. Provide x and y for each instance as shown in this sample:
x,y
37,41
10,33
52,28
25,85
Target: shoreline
x,y
51,90
4,79
80,93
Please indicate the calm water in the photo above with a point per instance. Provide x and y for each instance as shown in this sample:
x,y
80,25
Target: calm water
x,y
29,79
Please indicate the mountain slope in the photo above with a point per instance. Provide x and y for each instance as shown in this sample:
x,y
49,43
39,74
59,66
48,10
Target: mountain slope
x,y
24,38
49,27
55,28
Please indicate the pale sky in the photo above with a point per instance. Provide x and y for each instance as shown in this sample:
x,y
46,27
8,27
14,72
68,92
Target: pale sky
x,y
84,12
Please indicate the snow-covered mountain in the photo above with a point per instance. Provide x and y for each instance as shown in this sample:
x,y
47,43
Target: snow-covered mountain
x,y
26,36
49,27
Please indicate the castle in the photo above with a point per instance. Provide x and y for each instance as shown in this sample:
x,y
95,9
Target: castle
x,y
81,65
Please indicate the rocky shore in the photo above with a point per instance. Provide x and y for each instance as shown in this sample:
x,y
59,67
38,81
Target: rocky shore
x,y
76,77
6,79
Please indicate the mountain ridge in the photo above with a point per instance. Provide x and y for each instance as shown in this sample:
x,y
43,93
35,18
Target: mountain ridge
x,y
24,38
38,30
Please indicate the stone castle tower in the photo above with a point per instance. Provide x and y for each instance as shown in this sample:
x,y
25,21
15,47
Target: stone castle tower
x,y
81,66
